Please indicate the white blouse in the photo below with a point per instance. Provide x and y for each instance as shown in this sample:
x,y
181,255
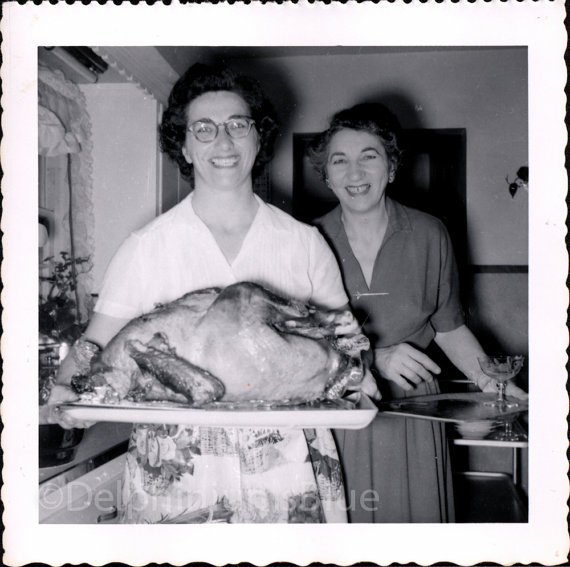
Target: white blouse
x,y
176,253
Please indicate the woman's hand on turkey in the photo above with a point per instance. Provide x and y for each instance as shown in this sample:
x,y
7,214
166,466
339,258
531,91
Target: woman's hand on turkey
x,y
345,323
53,413
405,365
369,387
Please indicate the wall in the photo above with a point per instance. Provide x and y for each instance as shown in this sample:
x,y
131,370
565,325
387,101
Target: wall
x,y
125,158
481,89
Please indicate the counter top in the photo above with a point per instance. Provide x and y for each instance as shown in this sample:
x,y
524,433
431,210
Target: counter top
x,y
97,440
452,407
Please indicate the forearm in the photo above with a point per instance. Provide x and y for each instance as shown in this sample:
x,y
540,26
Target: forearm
x,y
78,361
99,332
462,348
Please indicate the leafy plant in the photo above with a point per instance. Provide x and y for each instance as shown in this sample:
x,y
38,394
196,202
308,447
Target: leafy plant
x,y
58,311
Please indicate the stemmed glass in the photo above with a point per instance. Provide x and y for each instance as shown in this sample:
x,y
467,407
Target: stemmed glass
x,y
501,369
507,432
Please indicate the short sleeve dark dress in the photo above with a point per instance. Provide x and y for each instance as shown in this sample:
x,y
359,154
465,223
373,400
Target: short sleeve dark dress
x,y
398,469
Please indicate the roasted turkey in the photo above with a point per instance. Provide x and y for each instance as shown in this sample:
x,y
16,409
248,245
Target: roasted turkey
x,y
237,344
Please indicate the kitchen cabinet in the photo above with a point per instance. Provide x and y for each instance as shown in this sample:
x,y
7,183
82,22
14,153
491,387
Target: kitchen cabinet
x,y
485,489
92,498
87,489
99,441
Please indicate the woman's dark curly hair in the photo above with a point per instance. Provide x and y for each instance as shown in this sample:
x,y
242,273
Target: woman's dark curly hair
x,y
198,80
374,118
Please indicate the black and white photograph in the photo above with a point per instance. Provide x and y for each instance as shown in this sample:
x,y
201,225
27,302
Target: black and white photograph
x,y
285,277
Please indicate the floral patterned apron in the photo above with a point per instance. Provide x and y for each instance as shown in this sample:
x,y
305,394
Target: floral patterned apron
x,y
181,474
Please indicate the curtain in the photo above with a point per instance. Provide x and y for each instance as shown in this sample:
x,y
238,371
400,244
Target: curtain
x,y
64,128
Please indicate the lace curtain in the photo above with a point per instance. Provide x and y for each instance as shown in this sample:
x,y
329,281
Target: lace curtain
x,y
64,128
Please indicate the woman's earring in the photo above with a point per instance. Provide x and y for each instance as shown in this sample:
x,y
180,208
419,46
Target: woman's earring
x,y
391,177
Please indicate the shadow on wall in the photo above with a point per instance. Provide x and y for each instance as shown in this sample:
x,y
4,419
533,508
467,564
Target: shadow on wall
x,y
276,85
278,88
498,314
401,104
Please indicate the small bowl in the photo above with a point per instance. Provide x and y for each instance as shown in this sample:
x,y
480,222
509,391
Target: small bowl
x,y
478,429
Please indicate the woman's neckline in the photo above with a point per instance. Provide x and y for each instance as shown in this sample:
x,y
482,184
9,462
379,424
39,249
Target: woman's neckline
x,y
365,237
228,229
363,223
225,211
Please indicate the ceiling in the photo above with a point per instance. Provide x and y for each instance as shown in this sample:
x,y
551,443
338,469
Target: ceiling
x,y
181,57
157,68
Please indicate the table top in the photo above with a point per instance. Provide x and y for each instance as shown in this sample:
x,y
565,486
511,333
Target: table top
x,y
452,407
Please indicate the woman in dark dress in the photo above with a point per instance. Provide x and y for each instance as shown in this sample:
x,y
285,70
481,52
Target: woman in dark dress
x,y
401,278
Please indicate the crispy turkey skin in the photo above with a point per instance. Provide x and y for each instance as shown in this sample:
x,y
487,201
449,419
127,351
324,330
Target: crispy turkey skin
x,y
240,343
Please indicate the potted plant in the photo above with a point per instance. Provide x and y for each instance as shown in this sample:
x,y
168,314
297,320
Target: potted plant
x,y
58,311
59,324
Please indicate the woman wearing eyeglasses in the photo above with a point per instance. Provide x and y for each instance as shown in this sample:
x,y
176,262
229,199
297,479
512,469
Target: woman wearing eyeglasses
x,y
219,128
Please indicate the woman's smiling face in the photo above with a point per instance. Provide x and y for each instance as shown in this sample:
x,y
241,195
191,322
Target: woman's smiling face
x,y
358,169
225,161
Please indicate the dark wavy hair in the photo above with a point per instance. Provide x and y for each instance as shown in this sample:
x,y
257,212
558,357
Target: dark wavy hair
x,y
374,118
198,80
